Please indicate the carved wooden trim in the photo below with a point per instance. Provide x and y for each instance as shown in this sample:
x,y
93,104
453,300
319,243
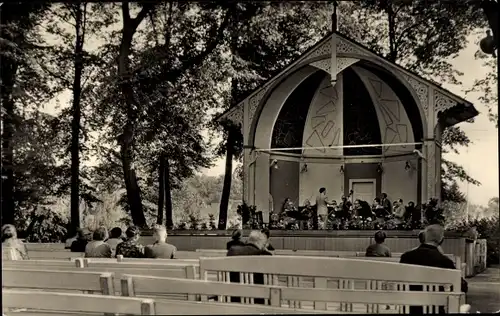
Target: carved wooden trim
x,y
235,115
323,49
345,47
442,102
254,102
422,91
342,63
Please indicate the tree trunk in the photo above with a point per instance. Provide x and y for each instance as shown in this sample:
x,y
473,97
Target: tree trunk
x,y
228,176
8,73
126,140
75,125
161,190
393,53
168,196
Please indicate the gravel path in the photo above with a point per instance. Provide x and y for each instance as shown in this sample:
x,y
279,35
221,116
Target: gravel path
x,y
484,291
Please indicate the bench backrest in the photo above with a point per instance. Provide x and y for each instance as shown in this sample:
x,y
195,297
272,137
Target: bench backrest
x,y
331,268
169,307
42,264
321,271
58,280
133,285
62,254
77,303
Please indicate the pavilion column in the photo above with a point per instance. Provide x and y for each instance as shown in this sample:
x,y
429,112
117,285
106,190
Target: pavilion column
x,y
431,170
248,180
261,185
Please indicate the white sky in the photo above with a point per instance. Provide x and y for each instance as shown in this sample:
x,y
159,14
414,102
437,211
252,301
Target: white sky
x,y
480,159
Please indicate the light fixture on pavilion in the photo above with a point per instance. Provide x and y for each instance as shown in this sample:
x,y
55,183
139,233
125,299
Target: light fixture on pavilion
x,y
304,168
407,166
379,168
274,164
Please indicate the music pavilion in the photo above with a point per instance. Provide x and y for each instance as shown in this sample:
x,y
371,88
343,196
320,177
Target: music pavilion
x,y
343,117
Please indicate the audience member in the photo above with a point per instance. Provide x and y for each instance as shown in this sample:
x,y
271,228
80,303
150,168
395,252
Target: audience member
x,y
378,249
428,254
83,238
160,249
421,237
130,248
235,239
266,232
98,248
255,246
69,241
115,238
10,240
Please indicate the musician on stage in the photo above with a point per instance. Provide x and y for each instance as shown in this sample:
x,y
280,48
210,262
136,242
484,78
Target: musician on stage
x,y
322,205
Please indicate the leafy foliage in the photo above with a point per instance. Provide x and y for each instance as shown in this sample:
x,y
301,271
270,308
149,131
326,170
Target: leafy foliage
x,y
487,87
421,36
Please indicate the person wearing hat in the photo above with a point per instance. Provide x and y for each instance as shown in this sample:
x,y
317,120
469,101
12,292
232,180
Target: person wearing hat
x,y
82,239
235,239
378,249
130,248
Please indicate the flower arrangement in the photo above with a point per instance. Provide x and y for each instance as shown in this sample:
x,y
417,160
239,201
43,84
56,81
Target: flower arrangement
x,y
211,219
249,216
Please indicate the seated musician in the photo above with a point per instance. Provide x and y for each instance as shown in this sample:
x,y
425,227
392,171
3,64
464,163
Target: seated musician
x,y
344,209
379,210
399,211
363,209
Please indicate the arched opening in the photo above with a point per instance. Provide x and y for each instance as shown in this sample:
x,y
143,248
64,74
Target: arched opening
x,y
289,127
361,126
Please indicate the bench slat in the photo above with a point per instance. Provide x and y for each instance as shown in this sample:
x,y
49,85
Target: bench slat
x,y
50,279
70,302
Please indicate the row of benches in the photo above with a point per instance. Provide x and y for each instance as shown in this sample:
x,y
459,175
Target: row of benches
x,y
156,289
356,278
65,254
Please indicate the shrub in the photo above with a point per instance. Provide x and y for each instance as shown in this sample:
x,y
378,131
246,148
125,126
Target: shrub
x,y
487,228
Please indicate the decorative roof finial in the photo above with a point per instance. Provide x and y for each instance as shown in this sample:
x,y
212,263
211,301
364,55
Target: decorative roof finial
x,y
334,16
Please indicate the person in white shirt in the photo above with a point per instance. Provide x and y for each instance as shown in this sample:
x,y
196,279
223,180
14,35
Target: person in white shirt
x,y
322,205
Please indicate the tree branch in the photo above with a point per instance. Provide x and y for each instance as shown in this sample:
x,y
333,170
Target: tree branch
x,y
125,12
217,36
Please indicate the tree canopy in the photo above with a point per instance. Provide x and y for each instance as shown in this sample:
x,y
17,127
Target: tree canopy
x,y
147,79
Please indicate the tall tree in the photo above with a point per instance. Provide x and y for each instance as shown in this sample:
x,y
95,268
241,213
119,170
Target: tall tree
x,y
421,36
132,108
70,25
80,13
20,81
161,190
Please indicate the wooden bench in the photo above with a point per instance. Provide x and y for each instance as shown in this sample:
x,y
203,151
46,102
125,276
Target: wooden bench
x,y
340,273
63,254
46,303
77,281
82,304
133,285
459,266
43,264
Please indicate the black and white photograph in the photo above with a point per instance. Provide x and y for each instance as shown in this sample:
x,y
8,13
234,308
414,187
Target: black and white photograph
x,y
249,157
